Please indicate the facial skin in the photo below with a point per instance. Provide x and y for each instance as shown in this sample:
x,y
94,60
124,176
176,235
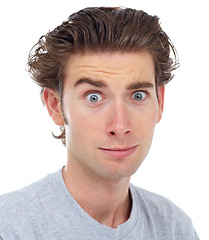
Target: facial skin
x,y
111,108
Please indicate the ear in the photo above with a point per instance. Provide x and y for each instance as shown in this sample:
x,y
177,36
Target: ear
x,y
53,104
161,91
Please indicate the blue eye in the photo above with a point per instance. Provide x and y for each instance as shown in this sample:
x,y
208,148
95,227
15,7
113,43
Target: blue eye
x,y
94,97
138,96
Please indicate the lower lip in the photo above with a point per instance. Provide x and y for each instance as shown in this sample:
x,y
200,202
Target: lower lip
x,y
119,153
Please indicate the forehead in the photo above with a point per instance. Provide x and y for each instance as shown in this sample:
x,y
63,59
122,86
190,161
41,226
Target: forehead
x,y
118,66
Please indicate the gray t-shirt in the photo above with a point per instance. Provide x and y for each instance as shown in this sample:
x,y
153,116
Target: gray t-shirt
x,y
45,210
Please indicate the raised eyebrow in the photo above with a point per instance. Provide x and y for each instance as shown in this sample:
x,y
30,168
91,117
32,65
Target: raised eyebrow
x,y
138,85
95,83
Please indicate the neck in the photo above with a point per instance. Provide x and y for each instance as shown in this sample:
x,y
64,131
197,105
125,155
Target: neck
x,y
106,200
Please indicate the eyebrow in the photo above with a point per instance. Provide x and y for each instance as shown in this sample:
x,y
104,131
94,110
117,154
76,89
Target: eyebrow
x,y
91,82
137,85
131,86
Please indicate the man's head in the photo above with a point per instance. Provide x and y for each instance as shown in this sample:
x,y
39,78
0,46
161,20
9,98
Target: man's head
x,y
100,30
110,109
105,36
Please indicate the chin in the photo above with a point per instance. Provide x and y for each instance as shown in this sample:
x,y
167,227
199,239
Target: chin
x,y
123,169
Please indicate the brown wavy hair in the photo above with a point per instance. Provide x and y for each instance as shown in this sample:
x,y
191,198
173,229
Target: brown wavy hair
x,y
97,30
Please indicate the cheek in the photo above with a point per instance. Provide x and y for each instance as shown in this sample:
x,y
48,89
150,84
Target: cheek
x,y
146,121
82,127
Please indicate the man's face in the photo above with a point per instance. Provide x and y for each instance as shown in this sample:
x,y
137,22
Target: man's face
x,y
111,109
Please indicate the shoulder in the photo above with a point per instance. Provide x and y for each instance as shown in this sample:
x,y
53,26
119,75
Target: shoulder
x,y
13,214
157,203
14,200
18,208
163,213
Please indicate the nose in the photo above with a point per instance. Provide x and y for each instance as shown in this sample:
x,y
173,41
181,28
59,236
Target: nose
x,y
119,123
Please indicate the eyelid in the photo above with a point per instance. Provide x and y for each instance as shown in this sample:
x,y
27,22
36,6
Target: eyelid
x,y
92,91
143,91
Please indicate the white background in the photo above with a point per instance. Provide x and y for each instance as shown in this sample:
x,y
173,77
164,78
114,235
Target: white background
x,y
177,165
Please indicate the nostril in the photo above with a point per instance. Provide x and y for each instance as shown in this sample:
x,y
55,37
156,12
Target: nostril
x,y
112,133
127,132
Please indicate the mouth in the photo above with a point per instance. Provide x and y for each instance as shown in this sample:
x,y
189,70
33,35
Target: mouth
x,y
119,152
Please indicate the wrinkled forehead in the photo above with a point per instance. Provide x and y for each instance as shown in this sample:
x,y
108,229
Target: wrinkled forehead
x,y
117,68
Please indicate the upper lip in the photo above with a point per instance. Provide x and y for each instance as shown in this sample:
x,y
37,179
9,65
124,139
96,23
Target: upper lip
x,y
118,148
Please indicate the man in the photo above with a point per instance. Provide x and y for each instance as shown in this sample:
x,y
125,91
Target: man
x,y
102,74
